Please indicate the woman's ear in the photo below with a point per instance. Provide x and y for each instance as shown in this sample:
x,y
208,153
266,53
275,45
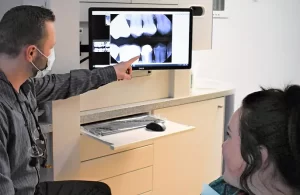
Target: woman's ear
x,y
264,155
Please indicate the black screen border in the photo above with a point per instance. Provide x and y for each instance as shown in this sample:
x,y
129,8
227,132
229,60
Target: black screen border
x,y
171,67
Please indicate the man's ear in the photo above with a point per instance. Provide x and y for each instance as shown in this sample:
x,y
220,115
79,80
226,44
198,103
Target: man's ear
x,y
30,53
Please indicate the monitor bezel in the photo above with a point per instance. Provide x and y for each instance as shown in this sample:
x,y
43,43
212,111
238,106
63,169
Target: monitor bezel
x,y
189,66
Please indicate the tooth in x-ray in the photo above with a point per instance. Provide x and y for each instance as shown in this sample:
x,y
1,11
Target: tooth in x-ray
x,y
169,49
114,51
160,52
119,27
149,27
128,16
107,19
136,26
146,54
164,24
129,51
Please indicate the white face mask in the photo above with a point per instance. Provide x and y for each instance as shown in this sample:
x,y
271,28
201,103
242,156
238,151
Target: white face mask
x,y
51,59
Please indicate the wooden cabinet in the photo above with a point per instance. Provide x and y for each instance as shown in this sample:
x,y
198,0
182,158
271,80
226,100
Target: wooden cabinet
x,y
183,162
117,164
133,183
167,2
177,161
91,148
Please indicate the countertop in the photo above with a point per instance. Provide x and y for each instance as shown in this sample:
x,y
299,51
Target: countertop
x,y
196,95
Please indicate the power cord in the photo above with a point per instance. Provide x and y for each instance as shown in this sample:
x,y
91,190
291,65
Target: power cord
x,y
84,59
83,49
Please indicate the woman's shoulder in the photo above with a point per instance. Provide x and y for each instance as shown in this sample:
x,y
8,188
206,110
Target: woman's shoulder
x,y
223,188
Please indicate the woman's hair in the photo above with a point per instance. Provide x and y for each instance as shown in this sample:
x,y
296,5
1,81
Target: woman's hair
x,y
270,118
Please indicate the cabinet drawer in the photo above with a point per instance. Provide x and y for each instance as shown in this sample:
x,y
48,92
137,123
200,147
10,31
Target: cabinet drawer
x,y
167,2
116,164
133,183
147,193
91,148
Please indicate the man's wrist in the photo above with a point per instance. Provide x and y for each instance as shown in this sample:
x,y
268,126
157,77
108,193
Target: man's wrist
x,y
111,73
116,72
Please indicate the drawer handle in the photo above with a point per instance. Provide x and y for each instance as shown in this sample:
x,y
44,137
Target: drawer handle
x,y
219,106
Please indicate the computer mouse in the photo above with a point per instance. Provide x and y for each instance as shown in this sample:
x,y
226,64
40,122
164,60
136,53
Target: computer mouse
x,y
156,126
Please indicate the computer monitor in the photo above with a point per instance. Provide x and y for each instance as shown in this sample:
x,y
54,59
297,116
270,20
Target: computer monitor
x,y
162,37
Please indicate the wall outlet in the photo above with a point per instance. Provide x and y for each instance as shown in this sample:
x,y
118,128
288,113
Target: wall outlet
x,y
220,14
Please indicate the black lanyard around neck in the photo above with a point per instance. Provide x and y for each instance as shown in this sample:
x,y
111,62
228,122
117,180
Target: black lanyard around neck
x,y
34,147
32,142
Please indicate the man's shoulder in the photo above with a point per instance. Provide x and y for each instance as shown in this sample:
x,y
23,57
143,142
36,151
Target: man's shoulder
x,y
29,84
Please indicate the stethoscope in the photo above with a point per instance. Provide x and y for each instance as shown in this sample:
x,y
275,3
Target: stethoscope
x,y
35,151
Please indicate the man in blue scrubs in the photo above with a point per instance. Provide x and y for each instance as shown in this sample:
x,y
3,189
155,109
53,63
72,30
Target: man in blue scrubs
x,y
27,40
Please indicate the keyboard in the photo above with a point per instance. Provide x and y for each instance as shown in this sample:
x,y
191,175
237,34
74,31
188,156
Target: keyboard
x,y
119,126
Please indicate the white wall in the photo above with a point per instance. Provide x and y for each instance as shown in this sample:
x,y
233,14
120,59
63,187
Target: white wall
x,y
259,44
5,5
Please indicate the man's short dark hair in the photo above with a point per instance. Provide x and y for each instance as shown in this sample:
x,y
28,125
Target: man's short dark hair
x,y
21,26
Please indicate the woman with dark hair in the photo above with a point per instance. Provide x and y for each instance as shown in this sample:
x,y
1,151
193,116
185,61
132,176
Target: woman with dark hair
x,y
262,150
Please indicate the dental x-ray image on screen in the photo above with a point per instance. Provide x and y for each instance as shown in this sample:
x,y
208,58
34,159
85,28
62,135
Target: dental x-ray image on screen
x,y
161,37
147,35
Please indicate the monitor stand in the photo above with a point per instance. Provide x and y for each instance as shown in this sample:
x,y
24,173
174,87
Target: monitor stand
x,y
179,83
141,73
